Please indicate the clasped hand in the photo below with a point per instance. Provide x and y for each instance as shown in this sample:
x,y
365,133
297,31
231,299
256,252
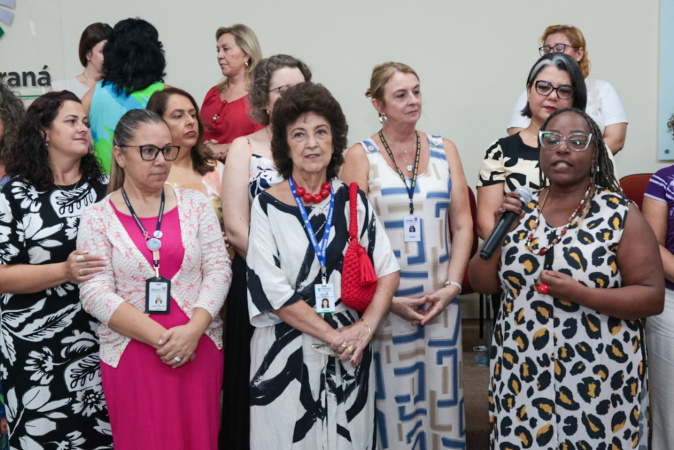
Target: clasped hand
x,y
423,310
177,345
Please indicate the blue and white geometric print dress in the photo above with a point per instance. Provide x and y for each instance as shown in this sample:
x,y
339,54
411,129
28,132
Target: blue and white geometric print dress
x,y
419,386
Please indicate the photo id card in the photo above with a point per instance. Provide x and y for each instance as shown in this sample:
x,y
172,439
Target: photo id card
x,y
325,298
412,228
157,295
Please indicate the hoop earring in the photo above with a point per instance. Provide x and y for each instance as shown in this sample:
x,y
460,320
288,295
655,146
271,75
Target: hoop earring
x,y
382,118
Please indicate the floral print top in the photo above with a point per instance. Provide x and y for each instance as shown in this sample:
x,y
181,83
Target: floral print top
x,y
49,351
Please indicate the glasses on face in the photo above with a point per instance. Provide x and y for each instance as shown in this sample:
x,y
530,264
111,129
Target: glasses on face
x,y
281,88
576,141
564,91
150,152
557,48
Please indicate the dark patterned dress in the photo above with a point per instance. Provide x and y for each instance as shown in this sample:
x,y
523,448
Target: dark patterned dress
x,y
302,399
564,376
49,352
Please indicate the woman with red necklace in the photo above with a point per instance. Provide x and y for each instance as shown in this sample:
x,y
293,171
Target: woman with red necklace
x,y
577,271
312,371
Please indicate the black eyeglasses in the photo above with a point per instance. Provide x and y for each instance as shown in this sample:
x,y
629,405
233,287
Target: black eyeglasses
x,y
557,48
564,91
150,152
281,88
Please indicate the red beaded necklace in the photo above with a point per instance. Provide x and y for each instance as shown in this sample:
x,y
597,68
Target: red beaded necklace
x,y
313,198
532,245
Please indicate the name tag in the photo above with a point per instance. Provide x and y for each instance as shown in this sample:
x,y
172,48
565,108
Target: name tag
x,y
157,295
325,298
412,228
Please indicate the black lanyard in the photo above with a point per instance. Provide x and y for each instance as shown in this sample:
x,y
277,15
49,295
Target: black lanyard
x,y
415,170
153,243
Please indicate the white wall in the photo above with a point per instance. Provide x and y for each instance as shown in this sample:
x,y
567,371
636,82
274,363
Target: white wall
x,y
472,56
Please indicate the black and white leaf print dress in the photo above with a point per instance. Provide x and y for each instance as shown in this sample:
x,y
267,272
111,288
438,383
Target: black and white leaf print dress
x,y
49,351
564,376
301,399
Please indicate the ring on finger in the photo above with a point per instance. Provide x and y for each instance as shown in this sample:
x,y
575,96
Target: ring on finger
x,y
343,346
79,258
81,272
351,348
178,358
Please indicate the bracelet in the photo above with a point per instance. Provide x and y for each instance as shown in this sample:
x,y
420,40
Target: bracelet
x,y
369,330
453,283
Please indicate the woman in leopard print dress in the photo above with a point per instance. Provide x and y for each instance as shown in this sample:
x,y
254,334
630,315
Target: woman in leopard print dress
x,y
568,357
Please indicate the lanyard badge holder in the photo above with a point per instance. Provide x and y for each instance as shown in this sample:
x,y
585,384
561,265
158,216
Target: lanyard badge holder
x,y
411,222
157,288
324,292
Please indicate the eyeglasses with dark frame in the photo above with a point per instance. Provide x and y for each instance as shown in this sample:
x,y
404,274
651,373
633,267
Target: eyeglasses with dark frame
x,y
557,48
545,88
576,141
281,88
149,152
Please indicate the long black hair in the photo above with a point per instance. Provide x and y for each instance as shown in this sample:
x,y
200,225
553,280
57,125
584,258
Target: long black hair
x,y
29,157
134,57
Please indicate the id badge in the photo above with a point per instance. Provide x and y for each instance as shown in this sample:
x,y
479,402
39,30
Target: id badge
x,y
157,295
325,298
412,228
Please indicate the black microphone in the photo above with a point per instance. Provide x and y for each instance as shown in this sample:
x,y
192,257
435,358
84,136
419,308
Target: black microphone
x,y
497,236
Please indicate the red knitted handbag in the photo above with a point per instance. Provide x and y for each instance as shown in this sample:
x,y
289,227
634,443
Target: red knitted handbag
x,y
358,278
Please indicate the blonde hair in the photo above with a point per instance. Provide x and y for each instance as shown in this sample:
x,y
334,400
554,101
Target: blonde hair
x,y
577,40
380,76
246,39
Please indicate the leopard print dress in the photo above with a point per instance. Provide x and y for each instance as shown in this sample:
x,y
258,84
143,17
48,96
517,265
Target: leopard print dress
x,y
564,376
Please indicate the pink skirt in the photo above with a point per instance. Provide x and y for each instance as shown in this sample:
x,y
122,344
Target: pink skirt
x,y
153,406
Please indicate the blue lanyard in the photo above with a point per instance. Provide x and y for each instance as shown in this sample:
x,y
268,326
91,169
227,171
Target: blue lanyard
x,y
415,169
321,251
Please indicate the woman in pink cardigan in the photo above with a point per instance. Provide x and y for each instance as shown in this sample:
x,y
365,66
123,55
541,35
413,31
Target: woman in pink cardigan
x,y
159,296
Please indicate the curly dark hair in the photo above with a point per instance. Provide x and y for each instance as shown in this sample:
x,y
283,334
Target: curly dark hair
x,y
201,162
563,62
133,56
29,157
259,95
301,99
92,35
11,116
604,174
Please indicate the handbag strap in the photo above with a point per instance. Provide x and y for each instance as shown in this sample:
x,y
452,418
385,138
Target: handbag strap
x,y
353,206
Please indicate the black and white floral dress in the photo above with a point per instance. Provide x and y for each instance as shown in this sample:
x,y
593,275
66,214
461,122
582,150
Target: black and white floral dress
x,y
49,351
564,376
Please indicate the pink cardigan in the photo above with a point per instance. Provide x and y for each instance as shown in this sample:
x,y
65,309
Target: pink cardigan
x,y
202,281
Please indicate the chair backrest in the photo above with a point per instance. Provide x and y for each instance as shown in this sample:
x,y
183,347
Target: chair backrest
x,y
634,186
466,287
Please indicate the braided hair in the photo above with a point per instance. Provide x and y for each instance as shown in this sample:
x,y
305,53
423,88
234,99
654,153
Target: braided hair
x,y
603,173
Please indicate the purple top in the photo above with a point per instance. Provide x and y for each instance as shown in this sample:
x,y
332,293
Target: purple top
x,y
661,188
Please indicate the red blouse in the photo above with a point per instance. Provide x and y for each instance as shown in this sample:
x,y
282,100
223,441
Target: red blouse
x,y
225,121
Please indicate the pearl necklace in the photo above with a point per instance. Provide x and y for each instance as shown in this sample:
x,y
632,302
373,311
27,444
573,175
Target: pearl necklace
x,y
583,206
